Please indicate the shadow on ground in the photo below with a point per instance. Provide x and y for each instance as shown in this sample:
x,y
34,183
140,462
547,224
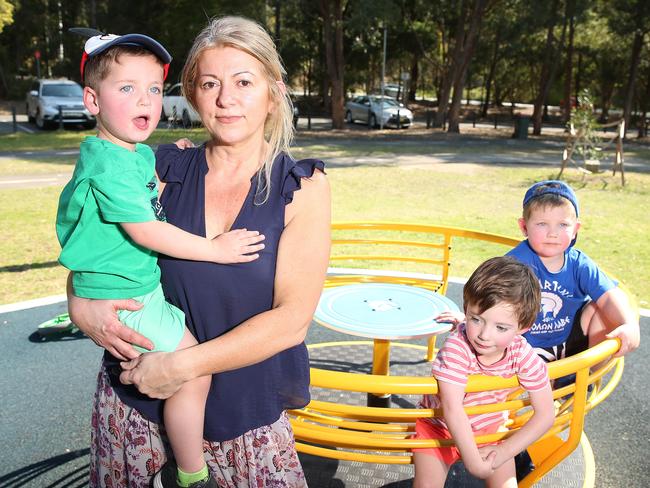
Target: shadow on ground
x,y
29,475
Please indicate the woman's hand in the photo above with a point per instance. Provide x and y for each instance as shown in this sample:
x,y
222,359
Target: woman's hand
x,y
152,374
184,143
98,320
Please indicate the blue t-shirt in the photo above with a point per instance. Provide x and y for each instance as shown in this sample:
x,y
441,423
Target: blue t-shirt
x,y
563,293
218,297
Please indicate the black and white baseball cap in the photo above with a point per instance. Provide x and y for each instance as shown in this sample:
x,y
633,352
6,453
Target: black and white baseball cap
x,y
100,43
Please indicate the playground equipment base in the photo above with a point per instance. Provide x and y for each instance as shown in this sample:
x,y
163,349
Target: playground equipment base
x,y
575,471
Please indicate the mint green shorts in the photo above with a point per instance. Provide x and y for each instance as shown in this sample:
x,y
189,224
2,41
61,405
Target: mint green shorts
x,y
158,320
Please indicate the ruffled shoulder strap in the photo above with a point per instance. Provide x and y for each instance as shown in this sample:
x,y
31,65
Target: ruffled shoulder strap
x,y
172,163
293,173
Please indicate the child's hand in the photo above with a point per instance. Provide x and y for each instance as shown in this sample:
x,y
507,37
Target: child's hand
x,y
629,335
494,452
237,246
482,466
452,317
184,143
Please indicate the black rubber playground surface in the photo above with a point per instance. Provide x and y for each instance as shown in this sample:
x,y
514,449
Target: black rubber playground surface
x,y
46,391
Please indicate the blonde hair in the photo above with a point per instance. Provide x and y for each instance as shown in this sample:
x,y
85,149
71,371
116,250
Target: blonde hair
x,y
250,37
548,200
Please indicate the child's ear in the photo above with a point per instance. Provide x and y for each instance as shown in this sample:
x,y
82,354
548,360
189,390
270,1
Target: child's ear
x,y
91,101
575,232
522,226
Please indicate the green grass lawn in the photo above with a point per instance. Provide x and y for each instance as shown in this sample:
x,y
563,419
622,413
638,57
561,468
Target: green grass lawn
x,y
70,139
474,197
481,197
16,166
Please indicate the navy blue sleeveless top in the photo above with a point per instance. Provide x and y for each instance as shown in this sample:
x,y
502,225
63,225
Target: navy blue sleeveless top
x,y
217,298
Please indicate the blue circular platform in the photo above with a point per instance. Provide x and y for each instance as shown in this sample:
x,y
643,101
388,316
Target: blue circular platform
x,y
383,311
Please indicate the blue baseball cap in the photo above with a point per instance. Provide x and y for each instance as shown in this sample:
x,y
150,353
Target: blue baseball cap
x,y
553,187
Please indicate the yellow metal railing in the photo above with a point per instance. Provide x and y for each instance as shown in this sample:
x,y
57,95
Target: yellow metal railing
x,y
383,435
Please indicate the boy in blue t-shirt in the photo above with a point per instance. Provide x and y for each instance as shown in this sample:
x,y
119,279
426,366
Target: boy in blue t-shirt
x,y
581,306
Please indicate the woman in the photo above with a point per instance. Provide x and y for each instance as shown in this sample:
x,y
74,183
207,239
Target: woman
x,y
250,320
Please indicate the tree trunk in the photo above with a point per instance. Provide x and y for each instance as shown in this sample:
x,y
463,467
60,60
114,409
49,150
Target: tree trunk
x,y
606,93
463,61
332,12
498,95
490,76
415,74
545,76
644,103
568,70
278,9
634,68
578,83
452,67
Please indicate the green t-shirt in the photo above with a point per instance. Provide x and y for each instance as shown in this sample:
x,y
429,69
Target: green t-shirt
x,y
110,184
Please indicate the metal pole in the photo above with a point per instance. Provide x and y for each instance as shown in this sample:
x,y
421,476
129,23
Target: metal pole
x,y
60,117
383,74
13,117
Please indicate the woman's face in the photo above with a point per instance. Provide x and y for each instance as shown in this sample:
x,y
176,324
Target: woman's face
x,y
232,96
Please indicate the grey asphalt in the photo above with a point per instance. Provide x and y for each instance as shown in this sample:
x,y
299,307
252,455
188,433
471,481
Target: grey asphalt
x,y
47,386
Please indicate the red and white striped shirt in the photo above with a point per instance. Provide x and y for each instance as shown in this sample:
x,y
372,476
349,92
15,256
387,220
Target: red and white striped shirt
x,y
457,359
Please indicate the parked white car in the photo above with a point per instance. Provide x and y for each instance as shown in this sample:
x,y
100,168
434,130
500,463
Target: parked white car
x,y
370,109
46,96
176,108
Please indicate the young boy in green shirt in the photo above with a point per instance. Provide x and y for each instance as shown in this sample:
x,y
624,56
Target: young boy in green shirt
x,y
111,226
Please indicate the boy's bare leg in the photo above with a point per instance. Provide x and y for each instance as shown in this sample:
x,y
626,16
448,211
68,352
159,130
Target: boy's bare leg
x,y
184,414
503,477
430,472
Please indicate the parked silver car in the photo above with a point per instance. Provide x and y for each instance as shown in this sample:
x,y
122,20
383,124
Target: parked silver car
x,y
176,108
46,96
369,109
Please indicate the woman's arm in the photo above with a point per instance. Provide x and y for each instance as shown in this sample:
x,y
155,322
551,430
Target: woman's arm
x,y
303,255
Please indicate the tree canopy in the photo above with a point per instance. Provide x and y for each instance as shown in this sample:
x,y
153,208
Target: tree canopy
x,y
439,52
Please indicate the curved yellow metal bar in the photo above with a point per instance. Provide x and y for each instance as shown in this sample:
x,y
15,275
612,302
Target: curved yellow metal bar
x,y
382,435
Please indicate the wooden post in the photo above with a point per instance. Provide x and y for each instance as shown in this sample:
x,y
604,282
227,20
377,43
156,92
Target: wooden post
x,y
618,161
567,153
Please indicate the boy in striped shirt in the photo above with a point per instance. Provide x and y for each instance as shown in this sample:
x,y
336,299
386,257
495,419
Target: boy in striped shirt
x,y
501,300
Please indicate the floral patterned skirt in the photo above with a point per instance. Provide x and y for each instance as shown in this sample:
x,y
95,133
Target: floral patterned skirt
x,y
127,450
